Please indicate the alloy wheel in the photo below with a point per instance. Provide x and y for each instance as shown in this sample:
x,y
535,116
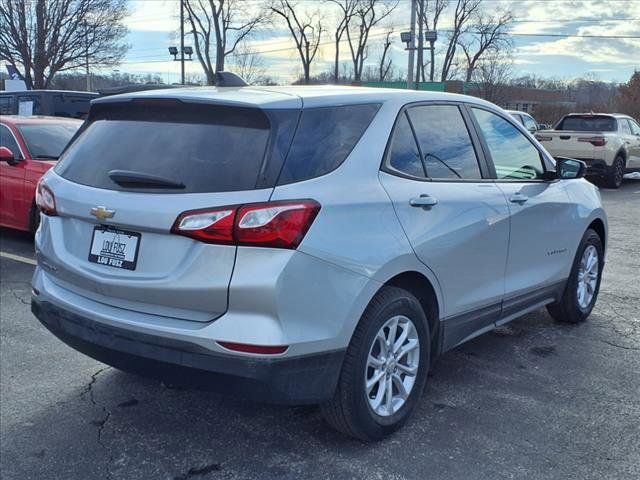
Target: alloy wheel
x,y
587,276
392,365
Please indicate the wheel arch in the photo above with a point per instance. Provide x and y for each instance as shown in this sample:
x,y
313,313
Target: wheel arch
x,y
621,153
421,287
598,226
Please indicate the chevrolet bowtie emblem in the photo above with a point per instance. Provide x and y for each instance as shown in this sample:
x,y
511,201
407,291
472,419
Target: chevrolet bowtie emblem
x,y
102,212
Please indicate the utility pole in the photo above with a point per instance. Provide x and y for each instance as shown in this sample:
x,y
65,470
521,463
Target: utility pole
x,y
182,42
86,55
411,85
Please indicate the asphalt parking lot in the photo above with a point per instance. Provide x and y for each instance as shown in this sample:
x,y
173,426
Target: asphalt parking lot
x,y
534,400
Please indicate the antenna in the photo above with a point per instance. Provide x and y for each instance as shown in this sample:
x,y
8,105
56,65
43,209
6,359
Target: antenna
x,y
228,79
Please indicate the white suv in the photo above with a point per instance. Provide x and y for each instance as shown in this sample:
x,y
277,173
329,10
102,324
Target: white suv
x,y
308,245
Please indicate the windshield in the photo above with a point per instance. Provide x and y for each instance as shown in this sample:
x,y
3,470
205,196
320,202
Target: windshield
x,y
588,123
46,141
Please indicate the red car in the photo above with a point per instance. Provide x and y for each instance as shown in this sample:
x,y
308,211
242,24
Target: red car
x,y
29,146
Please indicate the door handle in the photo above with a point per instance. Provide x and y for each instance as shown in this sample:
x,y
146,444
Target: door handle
x,y
518,198
423,201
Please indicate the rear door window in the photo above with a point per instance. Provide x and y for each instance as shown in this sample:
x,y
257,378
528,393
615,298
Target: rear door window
x,y
513,155
624,127
404,155
324,139
444,141
207,148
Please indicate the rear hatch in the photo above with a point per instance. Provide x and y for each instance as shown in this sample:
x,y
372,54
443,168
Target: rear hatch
x,y
134,168
579,136
566,144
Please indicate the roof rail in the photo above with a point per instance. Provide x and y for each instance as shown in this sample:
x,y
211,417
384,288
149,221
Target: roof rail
x,y
228,79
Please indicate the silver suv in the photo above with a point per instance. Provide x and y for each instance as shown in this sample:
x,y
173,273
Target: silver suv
x,y
308,245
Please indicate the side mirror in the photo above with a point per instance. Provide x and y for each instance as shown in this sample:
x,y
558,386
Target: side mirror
x,y
570,168
7,155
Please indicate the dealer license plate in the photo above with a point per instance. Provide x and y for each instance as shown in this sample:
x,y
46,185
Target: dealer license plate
x,y
114,247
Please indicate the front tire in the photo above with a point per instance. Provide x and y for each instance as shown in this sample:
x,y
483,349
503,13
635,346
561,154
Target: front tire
x,y
385,368
583,285
615,175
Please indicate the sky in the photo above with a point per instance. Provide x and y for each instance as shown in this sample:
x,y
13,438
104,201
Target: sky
x,y
154,26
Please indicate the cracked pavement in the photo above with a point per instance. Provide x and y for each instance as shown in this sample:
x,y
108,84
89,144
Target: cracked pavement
x,y
532,400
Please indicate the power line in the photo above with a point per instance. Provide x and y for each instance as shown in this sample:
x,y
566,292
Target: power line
x,y
573,20
566,35
381,34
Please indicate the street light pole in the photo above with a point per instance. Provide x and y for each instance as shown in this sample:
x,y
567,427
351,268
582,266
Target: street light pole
x,y
182,42
412,47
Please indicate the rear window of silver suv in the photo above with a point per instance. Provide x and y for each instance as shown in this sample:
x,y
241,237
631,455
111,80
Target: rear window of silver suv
x,y
212,148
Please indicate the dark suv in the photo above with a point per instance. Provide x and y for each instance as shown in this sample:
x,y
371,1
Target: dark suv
x,y
55,103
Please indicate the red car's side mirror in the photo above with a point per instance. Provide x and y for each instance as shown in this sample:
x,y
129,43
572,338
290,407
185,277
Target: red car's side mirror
x,y
7,155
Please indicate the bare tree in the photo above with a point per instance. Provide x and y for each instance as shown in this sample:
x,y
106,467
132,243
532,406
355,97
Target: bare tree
x,y
428,9
368,14
249,65
223,24
492,75
489,36
384,66
347,10
46,37
464,12
306,30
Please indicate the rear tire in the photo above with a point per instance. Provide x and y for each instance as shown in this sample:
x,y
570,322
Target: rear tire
x,y
614,176
581,291
367,413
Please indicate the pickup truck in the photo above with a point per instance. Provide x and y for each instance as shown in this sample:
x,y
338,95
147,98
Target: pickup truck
x,y
608,143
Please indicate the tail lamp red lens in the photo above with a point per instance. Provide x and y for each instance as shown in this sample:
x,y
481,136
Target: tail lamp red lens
x,y
595,141
280,224
45,200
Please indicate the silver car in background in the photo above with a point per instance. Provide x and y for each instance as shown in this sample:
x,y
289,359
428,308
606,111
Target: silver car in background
x,y
308,245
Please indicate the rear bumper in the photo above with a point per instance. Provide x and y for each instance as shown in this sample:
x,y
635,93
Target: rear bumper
x,y
304,379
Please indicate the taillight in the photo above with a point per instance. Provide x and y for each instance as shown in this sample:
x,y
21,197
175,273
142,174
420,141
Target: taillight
x,y
544,138
281,224
595,141
45,200
207,225
275,224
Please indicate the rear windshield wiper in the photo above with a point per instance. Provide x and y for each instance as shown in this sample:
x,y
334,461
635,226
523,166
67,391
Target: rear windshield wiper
x,y
47,157
128,178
